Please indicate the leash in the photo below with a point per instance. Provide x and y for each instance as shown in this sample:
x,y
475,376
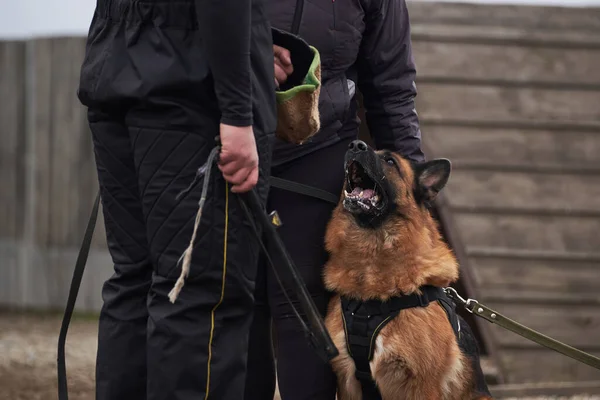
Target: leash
x,y
490,315
318,336
471,305
74,289
316,333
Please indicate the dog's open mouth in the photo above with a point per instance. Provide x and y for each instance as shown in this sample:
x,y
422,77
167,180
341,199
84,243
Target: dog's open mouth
x,y
361,190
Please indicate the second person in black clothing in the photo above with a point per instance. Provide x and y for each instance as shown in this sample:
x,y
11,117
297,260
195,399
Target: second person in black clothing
x,y
364,45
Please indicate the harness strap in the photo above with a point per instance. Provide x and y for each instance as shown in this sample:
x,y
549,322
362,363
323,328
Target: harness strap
x,y
363,320
306,190
450,307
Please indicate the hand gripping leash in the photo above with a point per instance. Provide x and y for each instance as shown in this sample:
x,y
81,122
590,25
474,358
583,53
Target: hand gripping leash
x,y
251,204
316,333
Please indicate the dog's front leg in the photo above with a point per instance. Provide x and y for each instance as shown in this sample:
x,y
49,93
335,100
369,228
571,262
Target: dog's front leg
x,y
410,393
349,389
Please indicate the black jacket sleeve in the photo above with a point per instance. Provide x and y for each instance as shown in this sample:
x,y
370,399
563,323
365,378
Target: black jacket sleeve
x,y
225,26
386,78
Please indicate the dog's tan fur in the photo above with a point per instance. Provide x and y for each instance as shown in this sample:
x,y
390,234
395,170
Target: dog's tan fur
x,y
416,354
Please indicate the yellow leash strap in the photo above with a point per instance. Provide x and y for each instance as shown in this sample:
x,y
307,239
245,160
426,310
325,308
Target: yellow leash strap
x,y
482,311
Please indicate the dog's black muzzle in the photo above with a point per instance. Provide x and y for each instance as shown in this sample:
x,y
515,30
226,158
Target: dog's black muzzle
x,y
358,151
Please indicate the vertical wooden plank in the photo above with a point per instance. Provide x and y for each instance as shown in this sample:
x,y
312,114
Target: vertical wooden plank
x,y
86,180
71,189
43,106
12,166
12,142
42,102
61,144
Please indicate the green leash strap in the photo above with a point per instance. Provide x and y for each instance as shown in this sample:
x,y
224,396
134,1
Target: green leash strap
x,y
482,311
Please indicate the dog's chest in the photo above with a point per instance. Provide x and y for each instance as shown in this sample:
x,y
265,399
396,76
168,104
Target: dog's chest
x,y
410,348
389,366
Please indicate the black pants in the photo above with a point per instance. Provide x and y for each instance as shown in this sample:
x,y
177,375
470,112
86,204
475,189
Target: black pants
x,y
146,94
149,348
302,375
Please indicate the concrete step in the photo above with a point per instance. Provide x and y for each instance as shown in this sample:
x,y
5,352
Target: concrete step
x,y
583,389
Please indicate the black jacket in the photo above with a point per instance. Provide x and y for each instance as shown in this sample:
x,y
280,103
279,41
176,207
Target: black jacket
x,y
364,45
208,61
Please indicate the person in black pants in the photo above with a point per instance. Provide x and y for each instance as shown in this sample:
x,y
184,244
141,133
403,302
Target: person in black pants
x,y
364,45
161,80
302,374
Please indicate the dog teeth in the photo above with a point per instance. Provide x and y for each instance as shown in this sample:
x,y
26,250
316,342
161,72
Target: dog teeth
x,y
363,205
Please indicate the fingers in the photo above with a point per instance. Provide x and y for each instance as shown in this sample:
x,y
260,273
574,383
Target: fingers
x,y
237,176
280,75
282,54
226,158
229,166
242,179
283,64
248,184
238,159
287,68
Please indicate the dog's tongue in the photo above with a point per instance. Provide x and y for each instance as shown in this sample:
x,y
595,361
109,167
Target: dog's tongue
x,y
363,193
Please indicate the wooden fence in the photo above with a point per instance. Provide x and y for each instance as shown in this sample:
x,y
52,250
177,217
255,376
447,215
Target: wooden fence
x,y
48,176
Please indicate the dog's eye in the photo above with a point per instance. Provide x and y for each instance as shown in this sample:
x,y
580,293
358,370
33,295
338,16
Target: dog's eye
x,y
390,160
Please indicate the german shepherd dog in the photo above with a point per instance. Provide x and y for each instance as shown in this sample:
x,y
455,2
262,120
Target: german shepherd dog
x,y
383,243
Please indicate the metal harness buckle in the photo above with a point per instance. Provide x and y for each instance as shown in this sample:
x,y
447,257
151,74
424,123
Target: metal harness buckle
x,y
468,304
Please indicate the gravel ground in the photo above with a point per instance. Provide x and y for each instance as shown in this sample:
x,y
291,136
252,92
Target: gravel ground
x,y
28,358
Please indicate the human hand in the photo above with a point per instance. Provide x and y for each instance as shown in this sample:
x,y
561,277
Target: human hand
x,y
283,64
238,160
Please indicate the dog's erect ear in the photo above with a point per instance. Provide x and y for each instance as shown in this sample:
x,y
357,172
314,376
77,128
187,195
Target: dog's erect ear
x,y
431,177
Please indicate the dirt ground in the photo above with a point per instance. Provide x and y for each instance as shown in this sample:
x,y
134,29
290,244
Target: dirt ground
x,y
28,358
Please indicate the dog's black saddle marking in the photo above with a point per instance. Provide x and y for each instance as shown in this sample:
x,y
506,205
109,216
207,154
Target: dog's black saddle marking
x,y
364,320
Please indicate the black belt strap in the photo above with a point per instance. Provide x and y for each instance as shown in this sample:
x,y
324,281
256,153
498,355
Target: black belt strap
x,y
364,320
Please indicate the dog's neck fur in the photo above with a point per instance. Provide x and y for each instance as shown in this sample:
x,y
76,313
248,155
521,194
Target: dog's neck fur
x,y
395,259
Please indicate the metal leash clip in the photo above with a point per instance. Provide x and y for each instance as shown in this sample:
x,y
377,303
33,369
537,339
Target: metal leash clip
x,y
468,304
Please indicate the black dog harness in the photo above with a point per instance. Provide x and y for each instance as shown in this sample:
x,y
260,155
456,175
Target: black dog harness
x,y
364,320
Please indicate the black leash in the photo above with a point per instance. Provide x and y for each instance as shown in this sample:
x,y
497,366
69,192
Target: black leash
x,y
75,283
316,334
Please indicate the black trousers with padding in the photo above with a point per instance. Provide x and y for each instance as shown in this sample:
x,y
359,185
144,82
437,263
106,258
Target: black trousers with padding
x,y
153,125
149,348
